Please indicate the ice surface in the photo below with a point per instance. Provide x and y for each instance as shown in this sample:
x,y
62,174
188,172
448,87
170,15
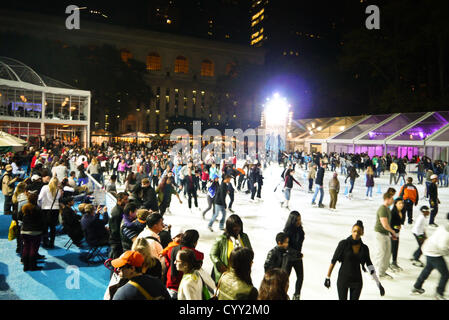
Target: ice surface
x,y
323,230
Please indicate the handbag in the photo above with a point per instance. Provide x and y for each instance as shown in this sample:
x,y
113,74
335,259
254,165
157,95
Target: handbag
x,y
217,290
13,231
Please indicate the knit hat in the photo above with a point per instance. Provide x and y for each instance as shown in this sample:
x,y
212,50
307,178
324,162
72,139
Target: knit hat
x,y
35,177
424,208
434,176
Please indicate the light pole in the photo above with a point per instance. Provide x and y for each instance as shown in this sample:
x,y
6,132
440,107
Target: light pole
x,y
276,115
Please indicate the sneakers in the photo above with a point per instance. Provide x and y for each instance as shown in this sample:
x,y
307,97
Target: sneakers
x,y
417,263
386,276
439,297
370,198
416,291
321,205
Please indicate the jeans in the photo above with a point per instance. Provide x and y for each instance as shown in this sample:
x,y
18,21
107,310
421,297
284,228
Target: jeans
x,y
320,189
446,180
369,191
393,178
7,205
218,209
287,192
210,204
417,254
420,177
402,175
434,263
231,196
433,213
352,185
310,184
441,179
343,170
427,188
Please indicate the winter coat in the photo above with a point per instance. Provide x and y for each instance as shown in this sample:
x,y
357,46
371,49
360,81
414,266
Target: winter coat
x,y
232,288
219,252
369,180
276,258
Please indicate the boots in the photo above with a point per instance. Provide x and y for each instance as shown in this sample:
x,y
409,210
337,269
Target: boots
x,y
33,264
26,264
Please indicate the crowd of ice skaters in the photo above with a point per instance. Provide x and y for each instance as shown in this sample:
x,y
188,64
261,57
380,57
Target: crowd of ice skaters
x,y
150,260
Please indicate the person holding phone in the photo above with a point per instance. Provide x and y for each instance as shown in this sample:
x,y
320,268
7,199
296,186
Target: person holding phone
x,y
93,224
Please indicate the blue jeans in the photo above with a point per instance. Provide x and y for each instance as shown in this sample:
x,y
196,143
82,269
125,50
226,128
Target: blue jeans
x,y
343,170
446,180
369,191
434,263
441,179
420,177
287,193
320,189
218,209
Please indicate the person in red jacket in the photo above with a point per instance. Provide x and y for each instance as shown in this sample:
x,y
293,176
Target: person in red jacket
x,y
189,240
410,195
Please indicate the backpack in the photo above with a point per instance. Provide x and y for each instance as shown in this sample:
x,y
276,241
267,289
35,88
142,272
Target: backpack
x,y
211,192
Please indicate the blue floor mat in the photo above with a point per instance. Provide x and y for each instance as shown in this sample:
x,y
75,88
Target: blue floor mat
x,y
64,277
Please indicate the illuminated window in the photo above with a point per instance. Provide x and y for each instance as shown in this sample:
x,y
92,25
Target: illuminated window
x,y
181,65
125,55
258,14
207,68
153,61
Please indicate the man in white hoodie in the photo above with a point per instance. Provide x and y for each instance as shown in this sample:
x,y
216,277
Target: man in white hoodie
x,y
435,248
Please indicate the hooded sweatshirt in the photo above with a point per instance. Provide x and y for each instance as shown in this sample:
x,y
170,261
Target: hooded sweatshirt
x,y
438,243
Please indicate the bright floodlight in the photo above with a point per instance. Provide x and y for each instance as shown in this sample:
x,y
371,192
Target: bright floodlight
x,y
276,111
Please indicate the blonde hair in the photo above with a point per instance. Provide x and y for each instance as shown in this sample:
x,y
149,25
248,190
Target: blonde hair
x,y
81,207
53,186
142,214
94,161
88,208
21,188
142,246
370,171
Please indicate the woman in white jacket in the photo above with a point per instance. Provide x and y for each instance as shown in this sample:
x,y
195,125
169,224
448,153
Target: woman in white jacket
x,y
48,201
435,248
195,284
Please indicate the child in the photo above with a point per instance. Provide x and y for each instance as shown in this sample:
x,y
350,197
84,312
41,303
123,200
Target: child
x,y
420,234
204,179
277,257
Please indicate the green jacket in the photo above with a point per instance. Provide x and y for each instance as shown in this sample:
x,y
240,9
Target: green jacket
x,y
219,252
160,195
232,288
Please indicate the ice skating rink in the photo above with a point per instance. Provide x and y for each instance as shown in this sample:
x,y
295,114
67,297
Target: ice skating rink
x,y
323,230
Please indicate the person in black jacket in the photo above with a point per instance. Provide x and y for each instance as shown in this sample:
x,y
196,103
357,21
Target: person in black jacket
x,y
277,257
293,229
352,253
253,178
397,219
191,183
114,226
95,228
145,196
319,185
259,180
220,203
433,200
71,221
